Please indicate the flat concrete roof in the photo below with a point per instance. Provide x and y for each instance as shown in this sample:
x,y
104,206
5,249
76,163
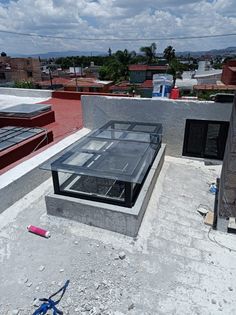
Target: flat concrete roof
x,y
66,121
174,266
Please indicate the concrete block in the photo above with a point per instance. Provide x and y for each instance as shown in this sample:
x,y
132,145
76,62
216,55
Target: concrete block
x,y
111,217
231,226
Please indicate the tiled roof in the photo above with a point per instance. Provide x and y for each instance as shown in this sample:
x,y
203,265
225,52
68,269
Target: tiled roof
x,y
147,84
54,81
214,87
124,85
87,82
146,67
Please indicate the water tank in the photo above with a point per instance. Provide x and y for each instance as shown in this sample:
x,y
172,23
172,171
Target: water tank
x,y
162,85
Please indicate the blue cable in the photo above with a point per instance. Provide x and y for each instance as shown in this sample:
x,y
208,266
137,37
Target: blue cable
x,y
49,304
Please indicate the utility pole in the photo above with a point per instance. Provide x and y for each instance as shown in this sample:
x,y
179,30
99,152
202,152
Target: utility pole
x,y
50,76
76,81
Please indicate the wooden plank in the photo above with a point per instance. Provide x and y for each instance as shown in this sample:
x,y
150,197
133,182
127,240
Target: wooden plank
x,y
209,218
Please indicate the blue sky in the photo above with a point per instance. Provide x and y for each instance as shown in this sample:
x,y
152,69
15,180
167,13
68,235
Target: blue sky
x,y
115,18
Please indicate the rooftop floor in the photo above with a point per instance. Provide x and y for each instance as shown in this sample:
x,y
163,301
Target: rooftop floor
x,y
171,268
66,121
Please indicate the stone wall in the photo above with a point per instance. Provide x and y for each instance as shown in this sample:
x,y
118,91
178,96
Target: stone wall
x,y
227,192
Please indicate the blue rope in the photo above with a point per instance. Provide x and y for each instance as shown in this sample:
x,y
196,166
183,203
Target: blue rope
x,y
49,304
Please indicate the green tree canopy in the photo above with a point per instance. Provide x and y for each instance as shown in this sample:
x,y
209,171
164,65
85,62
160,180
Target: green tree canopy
x,y
175,68
150,53
169,53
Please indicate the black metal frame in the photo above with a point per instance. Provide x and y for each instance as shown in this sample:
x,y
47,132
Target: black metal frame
x,y
205,124
130,195
131,189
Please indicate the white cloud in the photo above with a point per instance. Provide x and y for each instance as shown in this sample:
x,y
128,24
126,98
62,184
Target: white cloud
x,y
115,18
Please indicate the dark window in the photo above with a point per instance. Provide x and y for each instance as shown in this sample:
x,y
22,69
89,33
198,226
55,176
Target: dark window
x,y
2,76
205,139
30,74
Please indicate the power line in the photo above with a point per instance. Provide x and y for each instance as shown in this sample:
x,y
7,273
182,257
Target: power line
x,y
118,39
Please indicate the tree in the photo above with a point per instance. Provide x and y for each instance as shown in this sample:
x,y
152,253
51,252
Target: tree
x,y
150,53
175,68
110,71
124,58
117,66
109,52
3,54
169,53
24,85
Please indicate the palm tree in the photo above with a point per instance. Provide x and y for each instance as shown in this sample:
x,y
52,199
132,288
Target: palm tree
x,y
175,68
169,53
124,58
150,53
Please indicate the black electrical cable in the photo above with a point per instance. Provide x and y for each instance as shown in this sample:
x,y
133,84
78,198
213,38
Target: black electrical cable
x,y
118,39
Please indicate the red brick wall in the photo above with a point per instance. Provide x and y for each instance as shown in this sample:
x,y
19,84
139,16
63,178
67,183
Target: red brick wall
x,y
229,76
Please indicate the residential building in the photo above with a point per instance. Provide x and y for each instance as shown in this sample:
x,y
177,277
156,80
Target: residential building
x,y
229,73
88,85
218,80
143,89
53,84
19,69
141,73
92,71
140,80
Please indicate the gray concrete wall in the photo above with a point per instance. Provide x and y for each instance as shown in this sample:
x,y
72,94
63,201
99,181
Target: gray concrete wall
x,y
172,114
227,192
25,92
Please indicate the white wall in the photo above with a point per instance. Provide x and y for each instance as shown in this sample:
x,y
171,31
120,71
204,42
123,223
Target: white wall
x,y
97,110
26,92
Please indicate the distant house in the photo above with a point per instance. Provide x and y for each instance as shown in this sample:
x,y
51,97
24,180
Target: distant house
x,y
53,84
229,73
205,74
140,80
208,77
125,87
141,73
19,69
224,81
92,71
88,85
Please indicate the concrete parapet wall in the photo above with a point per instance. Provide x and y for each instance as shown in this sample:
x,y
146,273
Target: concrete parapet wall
x,y
172,114
111,217
227,192
26,92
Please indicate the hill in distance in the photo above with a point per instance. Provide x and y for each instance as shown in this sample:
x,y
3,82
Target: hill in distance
x,y
56,54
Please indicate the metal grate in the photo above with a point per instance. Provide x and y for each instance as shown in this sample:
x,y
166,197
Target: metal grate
x,y
11,135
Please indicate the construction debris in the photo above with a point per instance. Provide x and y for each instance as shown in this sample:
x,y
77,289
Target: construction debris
x,y
232,225
209,218
203,210
122,255
41,268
